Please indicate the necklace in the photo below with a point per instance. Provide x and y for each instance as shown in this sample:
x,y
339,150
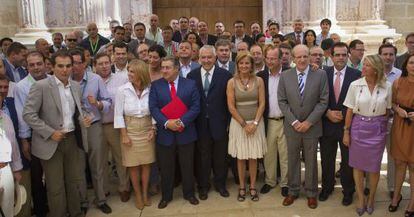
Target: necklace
x,y
245,84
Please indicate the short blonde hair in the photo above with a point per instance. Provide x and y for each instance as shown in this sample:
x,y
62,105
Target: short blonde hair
x,y
240,56
141,71
378,64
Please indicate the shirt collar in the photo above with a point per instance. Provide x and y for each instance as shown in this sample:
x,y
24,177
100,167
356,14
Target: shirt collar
x,y
342,71
203,71
120,70
277,74
60,83
305,72
129,86
11,65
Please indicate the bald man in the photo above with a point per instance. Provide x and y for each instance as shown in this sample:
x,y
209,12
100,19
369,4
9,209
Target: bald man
x,y
71,40
42,46
154,32
94,41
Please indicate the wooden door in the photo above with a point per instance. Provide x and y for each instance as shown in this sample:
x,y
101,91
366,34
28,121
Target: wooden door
x,y
210,11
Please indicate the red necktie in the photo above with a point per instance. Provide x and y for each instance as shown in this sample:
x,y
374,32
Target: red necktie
x,y
337,86
173,91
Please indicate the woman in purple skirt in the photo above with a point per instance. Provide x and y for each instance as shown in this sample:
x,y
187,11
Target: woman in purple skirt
x,y
369,103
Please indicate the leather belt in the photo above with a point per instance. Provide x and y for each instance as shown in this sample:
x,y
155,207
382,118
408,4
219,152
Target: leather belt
x,y
276,119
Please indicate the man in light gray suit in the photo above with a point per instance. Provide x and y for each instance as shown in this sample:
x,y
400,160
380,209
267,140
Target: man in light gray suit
x,y
53,111
303,98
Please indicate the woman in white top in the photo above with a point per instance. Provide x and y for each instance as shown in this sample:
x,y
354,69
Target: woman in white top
x,y
132,116
369,103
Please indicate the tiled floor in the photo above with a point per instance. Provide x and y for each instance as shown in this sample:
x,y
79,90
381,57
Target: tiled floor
x,y
270,205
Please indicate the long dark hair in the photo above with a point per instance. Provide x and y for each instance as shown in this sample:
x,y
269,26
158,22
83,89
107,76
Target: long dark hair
x,y
404,66
305,42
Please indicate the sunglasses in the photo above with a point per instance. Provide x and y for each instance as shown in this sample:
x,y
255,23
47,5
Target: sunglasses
x,y
71,40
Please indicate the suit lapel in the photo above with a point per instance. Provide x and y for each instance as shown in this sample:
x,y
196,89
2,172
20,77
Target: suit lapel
x,y
75,93
55,93
308,84
345,84
214,79
180,87
199,82
295,82
330,84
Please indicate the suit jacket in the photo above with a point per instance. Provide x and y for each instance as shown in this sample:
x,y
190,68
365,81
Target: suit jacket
x,y
9,71
43,113
265,76
177,36
160,96
211,39
9,103
102,41
329,128
400,60
232,67
292,36
133,45
213,107
309,108
246,39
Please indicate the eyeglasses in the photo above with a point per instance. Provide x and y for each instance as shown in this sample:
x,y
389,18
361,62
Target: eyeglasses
x,y
71,39
317,55
340,55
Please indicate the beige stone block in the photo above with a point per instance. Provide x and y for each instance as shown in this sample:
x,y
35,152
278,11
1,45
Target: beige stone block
x,y
395,10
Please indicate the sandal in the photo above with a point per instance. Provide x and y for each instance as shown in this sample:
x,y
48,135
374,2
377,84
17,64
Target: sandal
x,y
242,194
254,195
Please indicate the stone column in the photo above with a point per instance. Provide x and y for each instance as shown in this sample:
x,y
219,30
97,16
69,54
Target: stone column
x,y
94,11
141,11
273,9
31,21
371,9
320,9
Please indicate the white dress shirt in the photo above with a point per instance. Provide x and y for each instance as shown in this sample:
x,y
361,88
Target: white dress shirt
x,y
128,103
360,100
112,84
343,71
274,109
68,105
9,149
203,74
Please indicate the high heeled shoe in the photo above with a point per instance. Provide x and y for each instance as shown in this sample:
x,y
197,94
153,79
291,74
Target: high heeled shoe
x,y
360,211
370,209
392,208
409,213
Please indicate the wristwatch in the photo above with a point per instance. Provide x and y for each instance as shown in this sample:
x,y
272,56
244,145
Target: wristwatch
x,y
255,123
346,128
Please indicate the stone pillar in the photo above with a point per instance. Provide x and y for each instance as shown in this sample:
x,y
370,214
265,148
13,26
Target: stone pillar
x,y
371,9
320,9
273,9
31,21
141,11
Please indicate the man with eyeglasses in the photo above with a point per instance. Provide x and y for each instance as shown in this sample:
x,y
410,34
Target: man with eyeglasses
x,y
340,76
316,57
356,51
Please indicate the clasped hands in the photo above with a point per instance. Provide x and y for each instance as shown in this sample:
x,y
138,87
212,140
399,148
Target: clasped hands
x,y
175,125
334,116
302,127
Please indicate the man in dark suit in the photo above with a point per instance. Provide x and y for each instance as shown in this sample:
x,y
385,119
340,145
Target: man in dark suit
x,y
175,136
15,59
223,48
240,34
180,34
139,30
303,98
94,41
409,43
297,35
204,36
212,123
339,79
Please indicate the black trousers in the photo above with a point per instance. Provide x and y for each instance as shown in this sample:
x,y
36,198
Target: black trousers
x,y
211,154
167,163
328,149
38,187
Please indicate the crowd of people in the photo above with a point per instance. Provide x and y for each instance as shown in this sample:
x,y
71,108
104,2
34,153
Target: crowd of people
x,y
176,104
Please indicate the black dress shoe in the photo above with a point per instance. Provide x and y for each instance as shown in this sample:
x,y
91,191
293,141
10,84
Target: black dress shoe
x,y
202,194
84,210
323,196
163,204
265,189
223,192
285,191
105,208
193,200
347,199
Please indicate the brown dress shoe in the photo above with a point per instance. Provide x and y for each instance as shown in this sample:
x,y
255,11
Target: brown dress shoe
x,y
312,202
289,200
124,195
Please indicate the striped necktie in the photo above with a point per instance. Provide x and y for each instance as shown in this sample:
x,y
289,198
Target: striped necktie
x,y
301,82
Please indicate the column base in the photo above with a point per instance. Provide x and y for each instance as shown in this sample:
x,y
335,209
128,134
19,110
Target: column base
x,y
29,36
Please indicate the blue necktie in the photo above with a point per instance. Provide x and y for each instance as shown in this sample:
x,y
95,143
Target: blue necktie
x,y
206,83
301,83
